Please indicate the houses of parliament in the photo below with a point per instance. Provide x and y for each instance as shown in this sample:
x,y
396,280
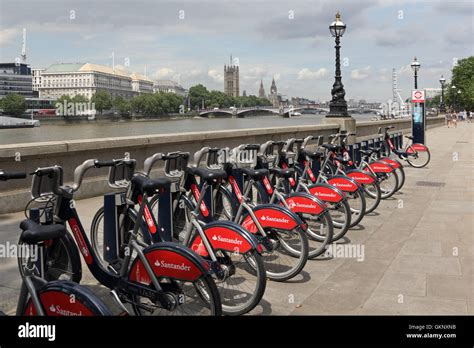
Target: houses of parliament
x,y
232,85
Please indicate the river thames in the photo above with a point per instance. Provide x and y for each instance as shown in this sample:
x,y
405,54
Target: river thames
x,y
94,130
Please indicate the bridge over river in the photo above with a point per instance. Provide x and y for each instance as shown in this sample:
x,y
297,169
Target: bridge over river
x,y
285,112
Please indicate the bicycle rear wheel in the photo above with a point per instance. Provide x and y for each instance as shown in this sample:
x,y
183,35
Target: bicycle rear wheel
x,y
373,195
341,218
357,203
243,289
285,253
200,297
417,159
55,298
388,183
320,233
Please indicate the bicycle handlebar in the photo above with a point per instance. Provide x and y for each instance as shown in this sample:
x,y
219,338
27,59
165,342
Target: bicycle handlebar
x,y
81,170
4,176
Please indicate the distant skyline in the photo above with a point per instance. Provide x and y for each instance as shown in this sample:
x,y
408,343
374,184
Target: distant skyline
x,y
190,41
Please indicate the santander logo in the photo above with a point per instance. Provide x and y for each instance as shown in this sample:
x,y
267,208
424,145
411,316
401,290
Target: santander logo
x,y
340,184
227,240
66,312
322,194
80,241
292,204
379,168
360,178
164,264
274,219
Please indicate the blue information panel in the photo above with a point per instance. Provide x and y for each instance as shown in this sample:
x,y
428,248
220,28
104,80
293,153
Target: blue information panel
x,y
418,123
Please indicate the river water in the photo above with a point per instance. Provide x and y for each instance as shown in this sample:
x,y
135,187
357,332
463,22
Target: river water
x,y
58,132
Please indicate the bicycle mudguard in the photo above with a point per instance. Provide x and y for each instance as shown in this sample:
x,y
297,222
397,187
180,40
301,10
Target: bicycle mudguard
x,y
380,167
416,147
225,235
272,215
302,202
168,260
394,163
326,193
56,297
361,176
344,183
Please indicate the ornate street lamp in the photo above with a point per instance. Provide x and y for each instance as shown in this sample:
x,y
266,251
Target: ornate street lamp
x,y
415,65
442,105
458,99
337,105
454,94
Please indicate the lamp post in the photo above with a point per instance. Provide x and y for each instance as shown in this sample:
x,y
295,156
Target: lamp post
x,y
337,105
415,65
442,105
458,99
454,94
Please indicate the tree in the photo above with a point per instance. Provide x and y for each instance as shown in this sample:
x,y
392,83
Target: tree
x,y
79,98
197,94
14,104
102,101
122,105
463,79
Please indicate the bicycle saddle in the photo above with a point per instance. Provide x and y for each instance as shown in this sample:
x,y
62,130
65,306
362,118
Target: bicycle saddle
x,y
150,186
375,149
311,154
207,174
330,147
283,173
366,152
34,233
255,173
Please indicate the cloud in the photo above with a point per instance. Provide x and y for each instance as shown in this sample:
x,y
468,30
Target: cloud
x,y
8,34
361,74
215,75
306,74
164,73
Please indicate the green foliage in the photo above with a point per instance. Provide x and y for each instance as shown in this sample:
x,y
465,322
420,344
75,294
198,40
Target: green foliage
x,y
463,79
122,105
213,99
102,101
14,104
156,103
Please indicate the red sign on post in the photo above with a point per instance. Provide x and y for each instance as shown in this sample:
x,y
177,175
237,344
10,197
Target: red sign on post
x,y
418,96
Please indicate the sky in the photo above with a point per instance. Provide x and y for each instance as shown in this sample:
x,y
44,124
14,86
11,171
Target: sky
x,y
190,41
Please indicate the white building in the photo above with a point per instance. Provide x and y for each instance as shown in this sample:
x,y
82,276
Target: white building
x,y
168,86
36,73
87,78
141,84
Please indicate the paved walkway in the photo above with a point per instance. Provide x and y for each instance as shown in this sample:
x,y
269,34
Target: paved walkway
x,y
418,248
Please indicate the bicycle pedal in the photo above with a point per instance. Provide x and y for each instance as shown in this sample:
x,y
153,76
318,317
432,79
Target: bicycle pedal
x,y
116,297
115,267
